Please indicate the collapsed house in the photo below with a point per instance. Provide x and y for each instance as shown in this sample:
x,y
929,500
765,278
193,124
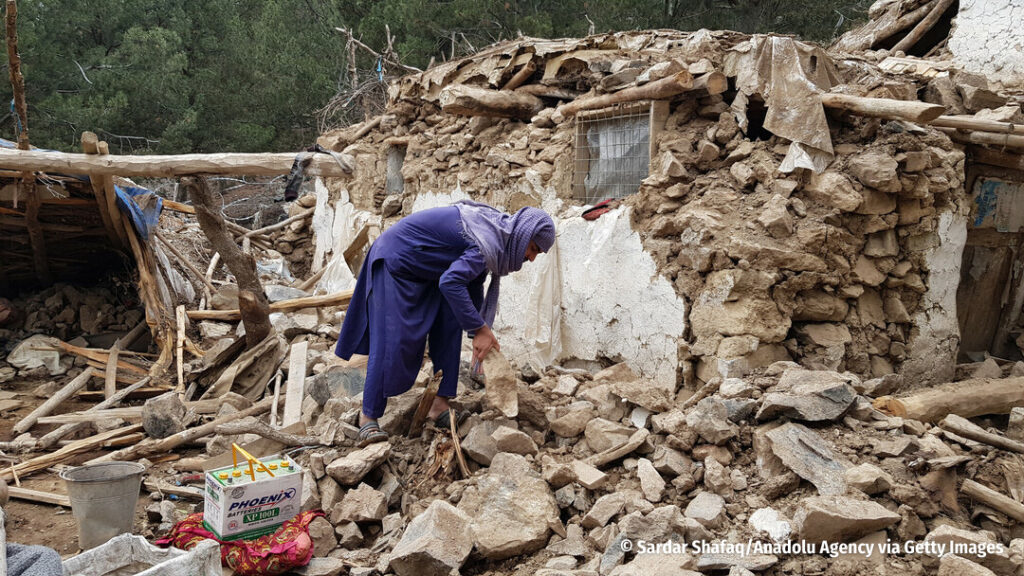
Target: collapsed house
x,y
791,234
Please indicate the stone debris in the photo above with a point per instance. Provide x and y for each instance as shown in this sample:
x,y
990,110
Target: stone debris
x,y
351,468
436,542
652,484
363,504
809,395
501,391
840,519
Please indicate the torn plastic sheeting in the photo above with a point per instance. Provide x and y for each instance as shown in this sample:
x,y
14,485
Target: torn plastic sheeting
x,y
143,206
790,76
543,332
34,352
127,552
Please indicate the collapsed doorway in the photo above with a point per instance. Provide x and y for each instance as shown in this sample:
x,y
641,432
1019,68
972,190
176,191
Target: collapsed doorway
x,y
991,292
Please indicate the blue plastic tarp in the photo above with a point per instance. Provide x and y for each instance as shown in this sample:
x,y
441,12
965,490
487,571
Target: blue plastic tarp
x,y
143,206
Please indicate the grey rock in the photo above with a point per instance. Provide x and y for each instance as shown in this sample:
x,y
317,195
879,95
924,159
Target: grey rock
x,y
710,419
809,456
337,382
810,395
708,509
840,519
436,542
350,469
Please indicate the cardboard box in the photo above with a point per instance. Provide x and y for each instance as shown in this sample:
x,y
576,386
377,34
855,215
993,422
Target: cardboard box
x,y
239,507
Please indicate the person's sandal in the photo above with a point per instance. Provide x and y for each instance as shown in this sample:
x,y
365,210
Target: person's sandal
x,y
444,421
370,433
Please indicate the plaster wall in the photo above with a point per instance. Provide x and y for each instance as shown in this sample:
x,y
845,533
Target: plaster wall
x,y
988,39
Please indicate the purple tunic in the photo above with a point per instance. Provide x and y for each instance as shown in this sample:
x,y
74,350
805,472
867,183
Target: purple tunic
x,y
422,282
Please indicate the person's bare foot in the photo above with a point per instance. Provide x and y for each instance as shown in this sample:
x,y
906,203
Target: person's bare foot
x,y
440,405
364,419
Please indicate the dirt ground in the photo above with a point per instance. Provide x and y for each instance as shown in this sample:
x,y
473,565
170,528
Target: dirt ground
x,y
45,524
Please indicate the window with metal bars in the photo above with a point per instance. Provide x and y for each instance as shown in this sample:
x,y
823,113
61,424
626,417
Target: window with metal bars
x,y
612,152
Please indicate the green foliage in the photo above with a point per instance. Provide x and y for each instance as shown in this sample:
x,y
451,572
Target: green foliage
x,y
249,75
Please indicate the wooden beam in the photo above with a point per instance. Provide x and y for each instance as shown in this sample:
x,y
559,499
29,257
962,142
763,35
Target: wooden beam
x,y
300,216
76,384
985,138
964,427
978,124
712,82
17,78
967,398
39,496
66,453
146,448
337,299
521,76
35,231
295,391
886,108
993,499
922,27
983,155
663,89
90,145
466,100
268,164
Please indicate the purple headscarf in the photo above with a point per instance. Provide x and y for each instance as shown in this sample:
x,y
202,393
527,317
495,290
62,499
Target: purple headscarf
x,y
503,240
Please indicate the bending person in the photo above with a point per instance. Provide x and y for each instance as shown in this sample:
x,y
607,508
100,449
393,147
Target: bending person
x,y
422,282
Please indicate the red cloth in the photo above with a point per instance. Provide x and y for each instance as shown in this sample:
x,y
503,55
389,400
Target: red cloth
x,y
288,548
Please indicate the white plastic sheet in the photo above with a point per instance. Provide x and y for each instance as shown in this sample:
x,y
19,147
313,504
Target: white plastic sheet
x,y
543,331
124,554
34,352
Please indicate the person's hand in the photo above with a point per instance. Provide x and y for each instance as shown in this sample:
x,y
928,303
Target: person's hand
x,y
483,341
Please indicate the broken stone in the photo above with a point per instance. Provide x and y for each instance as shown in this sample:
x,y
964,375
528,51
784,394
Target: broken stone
x,y
436,542
868,478
775,217
509,440
479,445
671,462
833,189
809,456
896,447
654,564
501,391
725,561
589,477
574,422
566,385
652,484
555,473
561,563
511,508
322,567
840,519
164,415
708,509
875,169
716,477
606,508
768,520
953,565
736,388
1015,428
350,469
364,504
602,435
322,534
989,556
743,174
337,382
310,493
652,396
574,543
330,492
710,419
811,395
639,416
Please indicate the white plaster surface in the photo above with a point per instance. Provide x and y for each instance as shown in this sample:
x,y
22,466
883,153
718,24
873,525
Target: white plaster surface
x,y
988,38
932,350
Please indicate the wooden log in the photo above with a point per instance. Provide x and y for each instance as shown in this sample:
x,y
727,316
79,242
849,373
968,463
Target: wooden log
x,y
254,308
886,108
967,398
178,206
295,391
102,190
51,439
144,393
883,31
542,91
169,166
102,411
983,155
166,488
300,216
521,76
261,429
453,428
143,449
985,138
17,78
712,82
36,238
467,100
337,299
277,397
663,89
970,123
179,347
308,283
102,357
420,416
63,394
922,27
993,499
185,262
67,452
110,373
964,427
39,496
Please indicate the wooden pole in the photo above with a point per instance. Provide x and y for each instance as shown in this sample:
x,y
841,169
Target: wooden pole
x,y
337,299
66,453
185,262
712,82
300,216
970,123
146,448
429,393
179,348
170,166
521,76
254,309
922,27
466,100
663,89
967,398
993,499
51,439
985,138
295,391
110,375
889,109
17,78
76,384
964,427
